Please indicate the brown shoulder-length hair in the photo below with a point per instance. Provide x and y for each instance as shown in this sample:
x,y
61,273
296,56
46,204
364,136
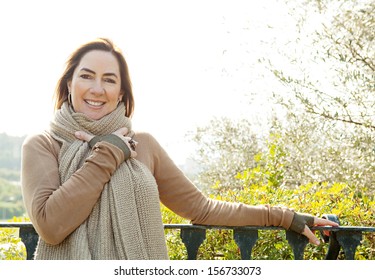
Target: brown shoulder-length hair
x,y
62,92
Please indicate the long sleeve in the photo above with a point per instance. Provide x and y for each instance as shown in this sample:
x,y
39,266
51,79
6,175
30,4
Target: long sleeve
x,y
57,210
180,195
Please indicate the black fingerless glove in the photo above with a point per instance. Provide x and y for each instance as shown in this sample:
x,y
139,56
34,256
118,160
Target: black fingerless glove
x,y
114,140
299,222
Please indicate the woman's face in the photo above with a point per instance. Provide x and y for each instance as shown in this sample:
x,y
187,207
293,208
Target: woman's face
x,y
96,84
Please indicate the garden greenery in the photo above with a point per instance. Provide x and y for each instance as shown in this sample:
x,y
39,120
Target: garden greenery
x,y
261,185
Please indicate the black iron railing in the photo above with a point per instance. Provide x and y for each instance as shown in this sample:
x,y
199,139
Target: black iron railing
x,y
341,238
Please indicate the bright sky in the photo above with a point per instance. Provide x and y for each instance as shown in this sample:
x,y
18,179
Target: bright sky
x,y
189,60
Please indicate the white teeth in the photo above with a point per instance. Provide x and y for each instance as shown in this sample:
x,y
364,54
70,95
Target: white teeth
x,y
94,103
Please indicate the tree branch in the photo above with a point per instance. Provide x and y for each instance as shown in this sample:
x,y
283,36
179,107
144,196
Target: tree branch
x,y
327,116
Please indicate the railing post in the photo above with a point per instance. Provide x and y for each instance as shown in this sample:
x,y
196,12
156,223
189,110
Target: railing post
x,y
30,238
298,243
245,240
192,238
333,247
349,240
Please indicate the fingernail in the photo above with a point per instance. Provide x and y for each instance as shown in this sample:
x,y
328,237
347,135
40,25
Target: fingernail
x,y
317,242
77,134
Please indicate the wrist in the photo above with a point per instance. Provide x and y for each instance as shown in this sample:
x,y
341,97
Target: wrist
x,y
114,140
300,220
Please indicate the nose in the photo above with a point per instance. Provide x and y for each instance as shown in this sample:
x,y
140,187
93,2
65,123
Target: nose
x,y
97,88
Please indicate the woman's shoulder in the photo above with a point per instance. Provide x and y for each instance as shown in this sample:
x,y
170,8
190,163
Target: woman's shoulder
x,y
39,137
147,145
145,137
41,140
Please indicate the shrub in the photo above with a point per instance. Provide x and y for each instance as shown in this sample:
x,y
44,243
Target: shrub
x,y
11,246
352,207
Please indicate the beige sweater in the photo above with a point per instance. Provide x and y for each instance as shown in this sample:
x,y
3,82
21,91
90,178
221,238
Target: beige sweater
x,y
57,210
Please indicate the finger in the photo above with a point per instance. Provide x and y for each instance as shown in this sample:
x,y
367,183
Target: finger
x,y
121,131
311,236
132,145
84,136
324,222
133,154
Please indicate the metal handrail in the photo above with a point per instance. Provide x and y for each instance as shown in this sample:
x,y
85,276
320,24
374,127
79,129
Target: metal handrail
x,y
342,237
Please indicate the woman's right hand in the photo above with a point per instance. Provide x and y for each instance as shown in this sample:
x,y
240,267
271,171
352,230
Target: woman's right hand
x,y
128,140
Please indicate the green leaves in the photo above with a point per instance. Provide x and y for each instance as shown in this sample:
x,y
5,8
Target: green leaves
x,y
11,247
263,184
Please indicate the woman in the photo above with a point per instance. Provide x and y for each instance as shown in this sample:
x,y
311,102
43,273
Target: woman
x,y
92,186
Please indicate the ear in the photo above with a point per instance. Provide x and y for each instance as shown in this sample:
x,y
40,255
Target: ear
x,y
121,95
69,85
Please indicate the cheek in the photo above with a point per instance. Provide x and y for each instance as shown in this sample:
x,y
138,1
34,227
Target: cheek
x,y
78,88
113,95
77,92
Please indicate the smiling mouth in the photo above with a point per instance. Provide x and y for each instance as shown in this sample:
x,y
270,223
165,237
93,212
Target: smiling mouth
x,y
94,103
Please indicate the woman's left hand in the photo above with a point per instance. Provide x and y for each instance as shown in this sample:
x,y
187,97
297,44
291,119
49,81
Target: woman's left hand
x,y
317,222
84,136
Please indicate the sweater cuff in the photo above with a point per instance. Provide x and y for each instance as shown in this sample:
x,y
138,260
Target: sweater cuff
x,y
114,140
299,222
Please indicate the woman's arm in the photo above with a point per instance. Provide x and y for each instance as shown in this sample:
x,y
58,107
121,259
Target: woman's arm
x,y
180,195
57,209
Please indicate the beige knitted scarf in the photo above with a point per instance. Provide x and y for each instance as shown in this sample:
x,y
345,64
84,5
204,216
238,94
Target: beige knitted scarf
x,y
126,222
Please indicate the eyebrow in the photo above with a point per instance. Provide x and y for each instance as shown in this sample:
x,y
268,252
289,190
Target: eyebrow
x,y
93,72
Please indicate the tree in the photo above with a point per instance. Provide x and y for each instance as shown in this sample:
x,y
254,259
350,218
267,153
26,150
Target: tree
x,y
224,148
325,151
343,48
10,151
329,124
325,132
11,202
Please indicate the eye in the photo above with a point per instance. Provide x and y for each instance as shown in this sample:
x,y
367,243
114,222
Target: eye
x,y
85,76
109,80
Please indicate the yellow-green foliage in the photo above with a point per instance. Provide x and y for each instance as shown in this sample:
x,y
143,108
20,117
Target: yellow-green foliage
x,y
11,247
354,208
